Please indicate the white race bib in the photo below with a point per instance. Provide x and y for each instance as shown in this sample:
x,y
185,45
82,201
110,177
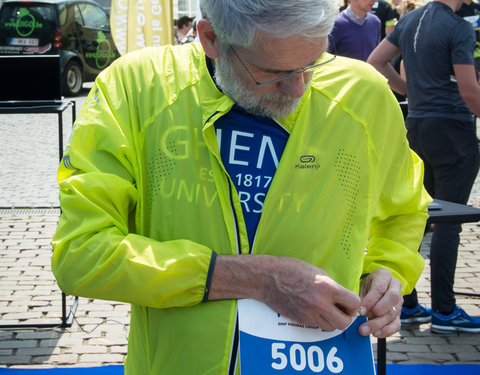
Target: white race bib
x,y
273,345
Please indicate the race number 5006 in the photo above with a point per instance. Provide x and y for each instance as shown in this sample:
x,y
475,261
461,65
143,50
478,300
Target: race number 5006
x,y
298,357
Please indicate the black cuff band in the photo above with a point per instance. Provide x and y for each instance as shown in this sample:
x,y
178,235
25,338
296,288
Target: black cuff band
x,y
209,276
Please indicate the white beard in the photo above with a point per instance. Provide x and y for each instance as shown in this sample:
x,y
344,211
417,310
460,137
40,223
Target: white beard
x,y
243,92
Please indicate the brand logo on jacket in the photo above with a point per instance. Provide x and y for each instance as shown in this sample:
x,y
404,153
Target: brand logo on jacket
x,y
307,162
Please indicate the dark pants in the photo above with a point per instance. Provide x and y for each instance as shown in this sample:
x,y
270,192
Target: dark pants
x,y
449,150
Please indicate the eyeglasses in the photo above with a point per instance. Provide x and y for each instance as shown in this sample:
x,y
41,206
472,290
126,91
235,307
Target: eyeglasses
x,y
286,76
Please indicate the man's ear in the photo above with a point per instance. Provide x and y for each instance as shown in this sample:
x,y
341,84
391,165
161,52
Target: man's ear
x,y
208,38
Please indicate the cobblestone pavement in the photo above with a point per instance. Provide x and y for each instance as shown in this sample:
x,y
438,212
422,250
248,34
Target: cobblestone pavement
x,y
98,335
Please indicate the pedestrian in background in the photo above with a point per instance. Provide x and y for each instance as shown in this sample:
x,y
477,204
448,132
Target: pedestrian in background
x,y
441,99
192,34
356,31
387,15
467,10
184,25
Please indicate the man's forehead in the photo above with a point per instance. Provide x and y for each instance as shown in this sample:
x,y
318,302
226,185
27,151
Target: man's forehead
x,y
286,54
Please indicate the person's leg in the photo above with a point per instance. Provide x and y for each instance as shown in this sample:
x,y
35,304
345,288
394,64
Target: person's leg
x,y
412,311
415,141
410,301
450,147
443,261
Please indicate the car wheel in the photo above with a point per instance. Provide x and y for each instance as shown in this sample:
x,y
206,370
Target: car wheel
x,y
72,79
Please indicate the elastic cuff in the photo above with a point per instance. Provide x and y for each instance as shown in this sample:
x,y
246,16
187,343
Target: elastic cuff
x,y
209,276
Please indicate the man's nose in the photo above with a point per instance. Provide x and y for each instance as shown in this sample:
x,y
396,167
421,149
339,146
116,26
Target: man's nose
x,y
293,86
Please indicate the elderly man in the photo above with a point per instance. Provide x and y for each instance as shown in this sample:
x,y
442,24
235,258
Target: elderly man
x,y
252,165
441,99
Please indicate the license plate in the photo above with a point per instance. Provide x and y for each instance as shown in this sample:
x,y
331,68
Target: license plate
x,y
24,42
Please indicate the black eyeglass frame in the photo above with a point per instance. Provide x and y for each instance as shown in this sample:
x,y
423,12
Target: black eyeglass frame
x,y
289,75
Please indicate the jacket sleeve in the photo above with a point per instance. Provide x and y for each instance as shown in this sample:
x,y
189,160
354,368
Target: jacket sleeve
x,y
97,253
399,207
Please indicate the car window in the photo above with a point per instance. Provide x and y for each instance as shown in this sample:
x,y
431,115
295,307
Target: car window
x,y
62,14
105,4
93,16
78,16
28,20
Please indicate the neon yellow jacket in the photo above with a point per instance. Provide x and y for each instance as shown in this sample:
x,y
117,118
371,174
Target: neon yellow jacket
x,y
146,199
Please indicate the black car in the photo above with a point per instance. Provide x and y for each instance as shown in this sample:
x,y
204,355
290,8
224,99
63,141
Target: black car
x,y
77,30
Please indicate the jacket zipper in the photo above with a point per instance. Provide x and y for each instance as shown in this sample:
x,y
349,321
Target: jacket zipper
x,y
232,365
235,342
234,354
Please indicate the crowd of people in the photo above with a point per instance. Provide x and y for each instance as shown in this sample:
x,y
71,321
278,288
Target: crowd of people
x,y
442,131
419,54
255,164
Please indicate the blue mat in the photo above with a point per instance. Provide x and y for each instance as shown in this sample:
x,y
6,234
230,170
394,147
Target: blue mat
x,y
118,370
104,370
433,369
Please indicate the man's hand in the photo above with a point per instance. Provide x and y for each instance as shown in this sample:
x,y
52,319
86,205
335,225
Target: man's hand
x,y
293,288
382,303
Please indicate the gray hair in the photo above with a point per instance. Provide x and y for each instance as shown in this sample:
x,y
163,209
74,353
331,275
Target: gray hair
x,y
240,21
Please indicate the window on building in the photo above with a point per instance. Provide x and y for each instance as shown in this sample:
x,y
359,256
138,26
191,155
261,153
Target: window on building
x,y
186,8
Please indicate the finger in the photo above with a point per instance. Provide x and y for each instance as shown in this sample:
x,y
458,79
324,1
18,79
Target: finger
x,y
343,309
338,305
389,304
346,301
384,325
384,331
380,300
388,329
328,319
339,319
374,289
